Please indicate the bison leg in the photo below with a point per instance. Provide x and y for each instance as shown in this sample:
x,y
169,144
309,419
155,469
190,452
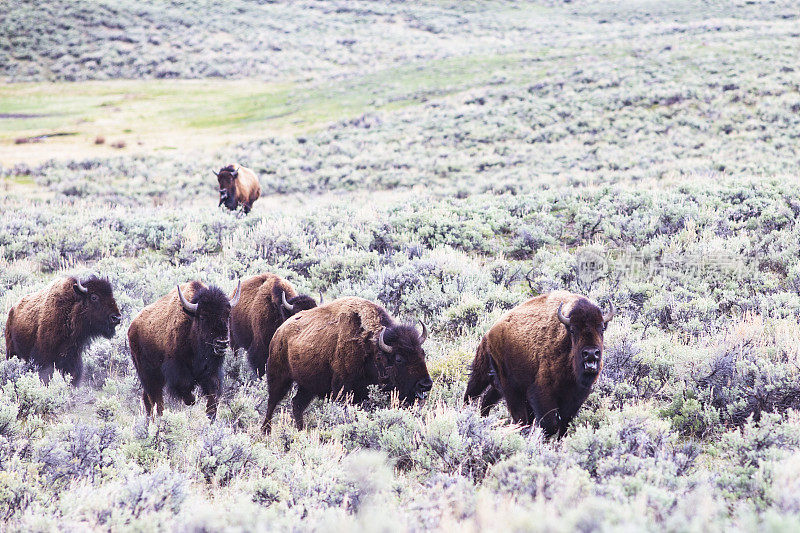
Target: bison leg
x,y
545,412
211,391
517,407
188,398
360,394
46,372
277,391
72,365
211,406
489,400
153,391
148,405
245,208
299,404
257,357
152,399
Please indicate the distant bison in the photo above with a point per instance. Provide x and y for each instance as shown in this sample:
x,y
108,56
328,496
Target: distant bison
x,y
343,347
266,302
543,357
52,327
180,340
238,186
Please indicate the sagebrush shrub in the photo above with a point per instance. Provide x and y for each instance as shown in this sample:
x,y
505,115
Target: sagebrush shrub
x,y
152,492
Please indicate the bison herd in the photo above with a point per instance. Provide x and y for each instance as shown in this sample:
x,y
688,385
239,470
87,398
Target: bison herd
x,y
542,357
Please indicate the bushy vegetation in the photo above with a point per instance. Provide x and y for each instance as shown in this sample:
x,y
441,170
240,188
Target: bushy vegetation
x,y
642,153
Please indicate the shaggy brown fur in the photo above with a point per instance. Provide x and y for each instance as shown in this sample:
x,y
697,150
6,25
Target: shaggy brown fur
x,y
52,327
543,369
259,313
172,346
335,349
238,186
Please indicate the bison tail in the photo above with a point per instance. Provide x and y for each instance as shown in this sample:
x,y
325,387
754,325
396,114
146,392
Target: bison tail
x,y
9,326
481,374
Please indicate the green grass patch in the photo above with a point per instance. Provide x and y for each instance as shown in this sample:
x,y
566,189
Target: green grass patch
x,y
155,113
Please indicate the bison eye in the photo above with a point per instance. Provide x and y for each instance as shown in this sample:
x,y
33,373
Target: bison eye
x,y
94,297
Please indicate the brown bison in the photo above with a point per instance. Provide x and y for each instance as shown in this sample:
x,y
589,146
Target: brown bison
x,y
543,357
52,327
238,186
266,302
341,348
180,340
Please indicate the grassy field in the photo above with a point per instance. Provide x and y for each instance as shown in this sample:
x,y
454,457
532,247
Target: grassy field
x,y
62,120
448,161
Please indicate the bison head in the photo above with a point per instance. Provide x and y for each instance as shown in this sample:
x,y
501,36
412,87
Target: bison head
x,y
99,308
406,369
211,312
586,324
228,178
294,305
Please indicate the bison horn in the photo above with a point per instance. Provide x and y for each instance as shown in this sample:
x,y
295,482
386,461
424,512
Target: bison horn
x,y
235,173
215,172
236,294
561,318
189,306
80,287
381,344
289,307
608,316
424,332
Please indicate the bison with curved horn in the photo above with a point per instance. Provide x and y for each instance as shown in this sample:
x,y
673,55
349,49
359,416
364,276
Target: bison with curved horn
x,y
266,302
543,357
180,341
52,327
341,348
238,186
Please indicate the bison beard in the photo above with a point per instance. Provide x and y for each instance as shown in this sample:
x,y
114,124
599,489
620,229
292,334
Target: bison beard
x,y
52,327
339,349
542,359
267,301
180,341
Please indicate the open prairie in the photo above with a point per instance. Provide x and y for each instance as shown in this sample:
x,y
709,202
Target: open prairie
x,y
448,161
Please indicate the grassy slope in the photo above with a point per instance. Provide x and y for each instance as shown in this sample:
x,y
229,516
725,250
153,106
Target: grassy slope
x,y
151,115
